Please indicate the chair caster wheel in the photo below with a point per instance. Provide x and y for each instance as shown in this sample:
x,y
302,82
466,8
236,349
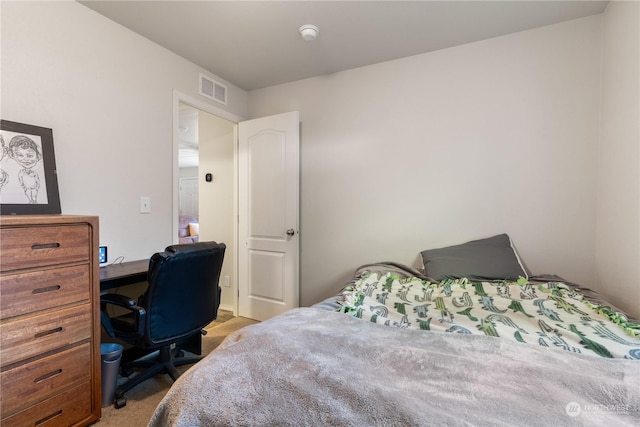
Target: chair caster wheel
x,y
120,402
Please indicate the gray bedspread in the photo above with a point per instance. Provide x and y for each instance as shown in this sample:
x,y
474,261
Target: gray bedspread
x,y
312,367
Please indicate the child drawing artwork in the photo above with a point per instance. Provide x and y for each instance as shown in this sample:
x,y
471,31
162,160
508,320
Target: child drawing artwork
x,y
21,169
4,176
24,150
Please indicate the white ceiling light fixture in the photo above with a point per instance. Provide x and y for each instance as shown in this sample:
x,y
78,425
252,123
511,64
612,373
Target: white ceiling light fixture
x,y
309,32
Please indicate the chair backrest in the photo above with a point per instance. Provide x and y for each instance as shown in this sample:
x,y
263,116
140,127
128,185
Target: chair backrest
x,y
183,294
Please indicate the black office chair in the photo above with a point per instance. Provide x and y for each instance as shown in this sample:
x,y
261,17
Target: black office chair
x,y
182,298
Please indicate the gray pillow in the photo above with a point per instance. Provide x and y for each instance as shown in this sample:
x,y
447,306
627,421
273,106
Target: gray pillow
x,y
493,258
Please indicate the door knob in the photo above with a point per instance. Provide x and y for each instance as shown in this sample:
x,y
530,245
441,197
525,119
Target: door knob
x,y
291,232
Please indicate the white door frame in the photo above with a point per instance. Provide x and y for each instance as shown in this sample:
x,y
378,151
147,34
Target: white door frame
x,y
178,98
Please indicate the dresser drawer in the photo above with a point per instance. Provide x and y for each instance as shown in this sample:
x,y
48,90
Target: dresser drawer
x,y
38,380
66,409
23,293
28,247
31,336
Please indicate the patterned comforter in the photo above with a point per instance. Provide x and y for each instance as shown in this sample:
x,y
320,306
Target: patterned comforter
x,y
549,314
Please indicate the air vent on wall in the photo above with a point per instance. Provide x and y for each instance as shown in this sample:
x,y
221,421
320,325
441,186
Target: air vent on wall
x,y
212,89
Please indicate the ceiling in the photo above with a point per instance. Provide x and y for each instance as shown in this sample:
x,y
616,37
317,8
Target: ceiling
x,y
256,44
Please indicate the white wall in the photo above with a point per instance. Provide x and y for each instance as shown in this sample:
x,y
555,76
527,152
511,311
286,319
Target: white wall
x,y
188,172
440,148
217,143
495,136
107,93
618,226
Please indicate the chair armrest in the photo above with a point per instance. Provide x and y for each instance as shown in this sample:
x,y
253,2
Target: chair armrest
x,y
119,300
124,302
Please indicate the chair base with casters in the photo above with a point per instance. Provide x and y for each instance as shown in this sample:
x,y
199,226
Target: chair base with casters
x,y
182,298
165,362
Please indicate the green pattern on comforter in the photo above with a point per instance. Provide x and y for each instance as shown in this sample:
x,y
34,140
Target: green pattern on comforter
x,y
549,314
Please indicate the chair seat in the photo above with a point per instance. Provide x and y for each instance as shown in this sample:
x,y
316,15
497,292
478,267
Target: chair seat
x,y
124,323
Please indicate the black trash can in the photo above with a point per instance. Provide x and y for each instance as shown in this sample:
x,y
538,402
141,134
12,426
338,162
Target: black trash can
x,y
110,353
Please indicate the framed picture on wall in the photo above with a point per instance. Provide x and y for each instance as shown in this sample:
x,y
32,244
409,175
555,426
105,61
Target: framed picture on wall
x,y
28,177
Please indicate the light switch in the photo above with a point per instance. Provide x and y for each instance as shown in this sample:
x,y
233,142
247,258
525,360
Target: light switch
x,y
145,204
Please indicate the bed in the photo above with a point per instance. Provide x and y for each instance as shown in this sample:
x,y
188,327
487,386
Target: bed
x,y
470,339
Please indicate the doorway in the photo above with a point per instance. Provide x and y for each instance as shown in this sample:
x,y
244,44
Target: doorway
x,y
205,146
270,177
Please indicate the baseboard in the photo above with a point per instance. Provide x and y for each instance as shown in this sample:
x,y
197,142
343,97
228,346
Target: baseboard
x,y
227,308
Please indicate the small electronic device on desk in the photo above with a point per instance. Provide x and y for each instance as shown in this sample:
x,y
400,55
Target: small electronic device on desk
x,y
102,256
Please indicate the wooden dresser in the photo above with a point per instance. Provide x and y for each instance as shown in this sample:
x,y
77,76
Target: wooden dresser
x,y
49,321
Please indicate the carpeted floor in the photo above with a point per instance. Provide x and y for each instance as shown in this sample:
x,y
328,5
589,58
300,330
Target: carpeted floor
x,y
143,399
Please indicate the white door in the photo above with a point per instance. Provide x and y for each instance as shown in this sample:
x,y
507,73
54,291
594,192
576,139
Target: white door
x,y
189,196
268,186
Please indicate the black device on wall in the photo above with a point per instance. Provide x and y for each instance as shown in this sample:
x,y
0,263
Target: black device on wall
x,y
208,177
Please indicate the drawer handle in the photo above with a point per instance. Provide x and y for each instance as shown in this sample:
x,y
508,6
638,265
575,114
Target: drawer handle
x,y
47,376
49,332
48,417
45,245
46,289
